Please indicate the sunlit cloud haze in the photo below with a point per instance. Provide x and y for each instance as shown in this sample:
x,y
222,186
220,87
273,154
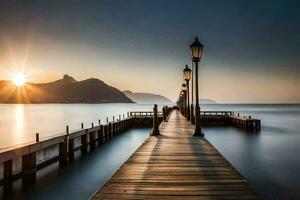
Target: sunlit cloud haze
x,y
251,49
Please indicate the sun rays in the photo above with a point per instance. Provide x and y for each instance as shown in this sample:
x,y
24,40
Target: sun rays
x,y
19,79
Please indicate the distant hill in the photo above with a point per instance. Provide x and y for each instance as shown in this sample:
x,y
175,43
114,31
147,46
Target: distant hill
x,y
65,90
207,101
147,98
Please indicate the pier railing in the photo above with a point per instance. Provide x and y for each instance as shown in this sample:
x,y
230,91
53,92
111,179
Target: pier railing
x,y
144,114
228,118
216,113
22,161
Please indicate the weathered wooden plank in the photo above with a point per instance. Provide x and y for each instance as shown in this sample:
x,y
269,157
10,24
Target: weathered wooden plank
x,y
176,165
164,197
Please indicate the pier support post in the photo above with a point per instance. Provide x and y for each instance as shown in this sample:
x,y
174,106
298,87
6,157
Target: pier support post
x,y
71,150
155,131
118,127
63,151
7,171
84,142
125,124
93,140
101,135
29,167
106,132
109,131
113,129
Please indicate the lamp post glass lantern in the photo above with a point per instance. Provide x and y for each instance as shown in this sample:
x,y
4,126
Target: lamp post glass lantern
x,y
196,50
196,53
187,72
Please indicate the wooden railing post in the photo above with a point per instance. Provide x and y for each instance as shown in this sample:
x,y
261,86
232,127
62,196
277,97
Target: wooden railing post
x,y
155,122
37,137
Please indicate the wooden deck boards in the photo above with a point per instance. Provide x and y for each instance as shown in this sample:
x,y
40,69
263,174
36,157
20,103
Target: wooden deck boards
x,y
176,165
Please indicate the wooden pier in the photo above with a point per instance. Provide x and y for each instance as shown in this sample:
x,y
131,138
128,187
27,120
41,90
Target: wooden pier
x,y
175,165
24,160
228,118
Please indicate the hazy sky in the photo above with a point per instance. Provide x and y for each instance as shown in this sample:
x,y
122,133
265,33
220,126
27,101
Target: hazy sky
x,y
251,54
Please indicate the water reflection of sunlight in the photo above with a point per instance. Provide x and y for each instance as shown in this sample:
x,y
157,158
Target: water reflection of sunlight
x,y
19,123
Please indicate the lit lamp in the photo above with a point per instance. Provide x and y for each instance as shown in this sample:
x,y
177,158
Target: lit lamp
x,y
187,72
183,88
196,54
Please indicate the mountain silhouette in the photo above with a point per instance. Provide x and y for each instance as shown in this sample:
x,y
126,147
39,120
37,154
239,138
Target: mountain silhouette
x,y
147,98
65,90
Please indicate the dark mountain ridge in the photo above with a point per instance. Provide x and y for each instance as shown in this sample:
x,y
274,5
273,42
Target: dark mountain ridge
x,y
65,90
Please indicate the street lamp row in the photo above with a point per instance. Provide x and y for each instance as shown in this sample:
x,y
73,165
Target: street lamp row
x,y
187,72
196,49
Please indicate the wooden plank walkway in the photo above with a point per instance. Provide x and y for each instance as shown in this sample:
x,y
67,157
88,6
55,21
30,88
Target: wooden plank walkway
x,y
176,165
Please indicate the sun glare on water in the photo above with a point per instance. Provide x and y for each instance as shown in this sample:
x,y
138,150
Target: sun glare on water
x,y
19,79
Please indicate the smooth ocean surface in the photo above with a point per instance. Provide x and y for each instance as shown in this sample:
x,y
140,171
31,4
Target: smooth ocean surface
x,y
20,122
269,160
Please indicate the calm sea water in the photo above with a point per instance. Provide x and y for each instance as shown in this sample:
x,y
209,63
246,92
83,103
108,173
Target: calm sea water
x,y
19,123
269,160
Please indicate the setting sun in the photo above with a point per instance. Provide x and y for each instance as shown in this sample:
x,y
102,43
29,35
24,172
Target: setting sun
x,y
19,79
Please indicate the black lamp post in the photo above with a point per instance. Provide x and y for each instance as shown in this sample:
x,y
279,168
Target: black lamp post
x,y
187,76
192,96
196,54
180,101
184,91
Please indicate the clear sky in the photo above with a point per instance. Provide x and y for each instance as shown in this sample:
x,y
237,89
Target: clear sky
x,y
251,53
